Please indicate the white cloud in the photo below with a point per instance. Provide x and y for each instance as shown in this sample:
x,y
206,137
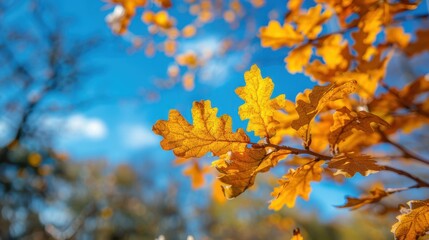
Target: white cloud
x,y
78,126
138,136
217,67
92,128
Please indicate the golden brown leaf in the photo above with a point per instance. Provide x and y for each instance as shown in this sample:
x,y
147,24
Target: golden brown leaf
x,y
207,134
346,122
238,170
413,222
348,164
238,176
309,105
259,108
354,203
298,58
420,44
296,183
276,36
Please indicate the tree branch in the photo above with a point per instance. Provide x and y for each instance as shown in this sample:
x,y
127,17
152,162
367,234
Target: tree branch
x,y
406,152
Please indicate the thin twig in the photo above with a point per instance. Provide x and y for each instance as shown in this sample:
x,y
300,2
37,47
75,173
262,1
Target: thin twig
x,y
295,151
406,152
420,182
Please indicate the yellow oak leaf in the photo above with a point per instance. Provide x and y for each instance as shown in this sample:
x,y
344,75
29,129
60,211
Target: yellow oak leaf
x,y
359,142
397,36
207,134
310,104
310,24
276,36
413,222
259,108
239,170
375,196
196,173
348,164
296,183
334,51
371,24
297,235
285,118
298,58
294,7
346,122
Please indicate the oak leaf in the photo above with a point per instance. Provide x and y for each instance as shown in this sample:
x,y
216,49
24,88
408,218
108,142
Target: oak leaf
x,y
397,36
296,183
346,122
310,24
207,134
276,36
196,173
334,51
413,222
259,108
348,164
310,104
298,58
354,203
238,170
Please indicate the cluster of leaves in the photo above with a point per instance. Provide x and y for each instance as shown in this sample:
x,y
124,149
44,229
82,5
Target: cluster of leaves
x,y
338,123
165,33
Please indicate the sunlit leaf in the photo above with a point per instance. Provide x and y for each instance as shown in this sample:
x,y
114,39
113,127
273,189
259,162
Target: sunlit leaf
x,y
413,222
296,183
375,196
298,58
309,105
348,164
276,36
346,122
238,170
207,134
259,108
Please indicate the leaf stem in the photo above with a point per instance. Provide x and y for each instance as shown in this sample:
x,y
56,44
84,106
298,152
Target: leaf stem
x,y
297,151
